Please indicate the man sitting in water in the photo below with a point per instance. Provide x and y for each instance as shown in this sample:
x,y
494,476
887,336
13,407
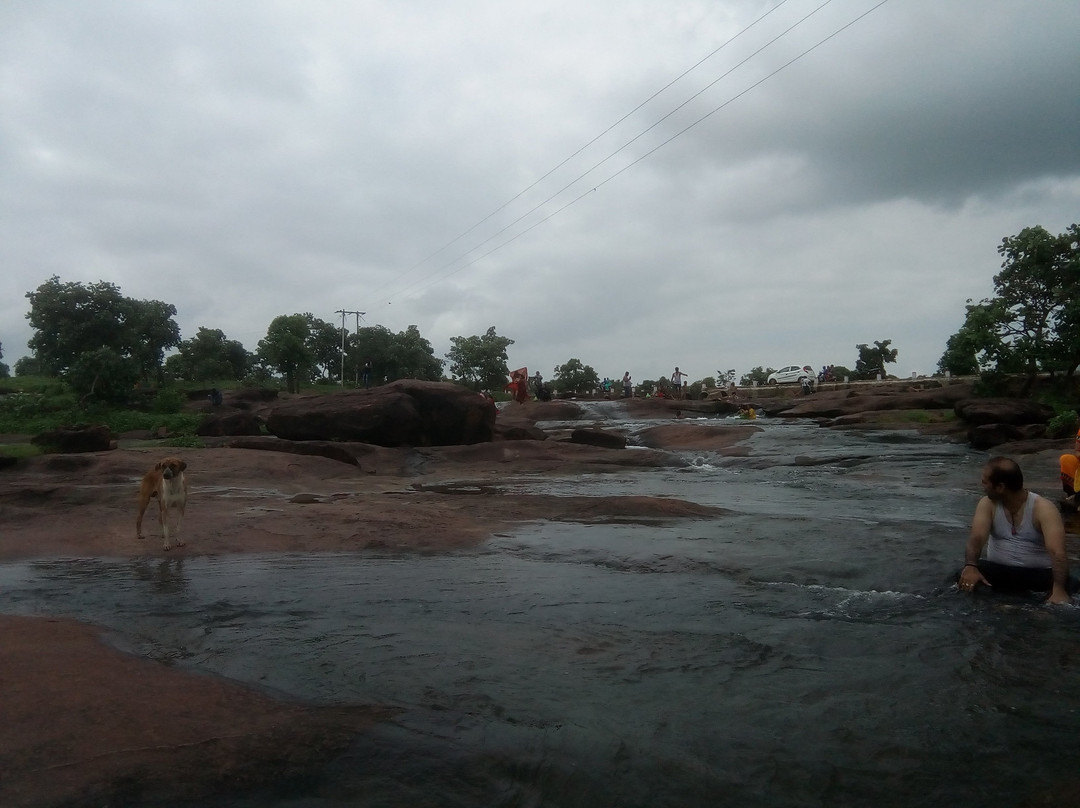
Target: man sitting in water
x,y
1023,535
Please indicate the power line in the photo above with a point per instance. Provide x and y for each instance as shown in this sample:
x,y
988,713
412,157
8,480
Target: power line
x,y
555,168
343,312
628,143
647,154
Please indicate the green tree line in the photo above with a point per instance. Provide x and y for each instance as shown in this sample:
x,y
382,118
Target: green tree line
x,y
104,344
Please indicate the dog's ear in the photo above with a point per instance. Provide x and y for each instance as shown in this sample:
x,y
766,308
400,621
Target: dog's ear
x,y
183,465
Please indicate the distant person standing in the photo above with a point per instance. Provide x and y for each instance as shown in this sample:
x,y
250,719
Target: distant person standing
x,y
678,383
627,386
366,375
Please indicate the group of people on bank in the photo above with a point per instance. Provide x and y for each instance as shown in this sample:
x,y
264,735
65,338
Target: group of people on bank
x,y
675,388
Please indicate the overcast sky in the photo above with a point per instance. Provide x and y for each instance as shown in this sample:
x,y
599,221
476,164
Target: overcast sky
x,y
503,163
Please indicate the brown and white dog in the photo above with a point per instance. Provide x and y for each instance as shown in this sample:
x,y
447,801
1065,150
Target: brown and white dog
x,y
165,481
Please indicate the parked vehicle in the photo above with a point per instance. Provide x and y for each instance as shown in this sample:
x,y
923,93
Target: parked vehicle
x,y
792,374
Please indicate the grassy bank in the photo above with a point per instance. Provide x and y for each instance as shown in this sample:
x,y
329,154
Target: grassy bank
x,y
31,405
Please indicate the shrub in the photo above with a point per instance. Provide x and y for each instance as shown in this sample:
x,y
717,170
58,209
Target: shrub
x,y
167,400
1062,425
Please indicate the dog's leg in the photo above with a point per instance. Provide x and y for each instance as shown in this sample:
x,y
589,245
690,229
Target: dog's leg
x,y
181,506
143,503
176,527
163,516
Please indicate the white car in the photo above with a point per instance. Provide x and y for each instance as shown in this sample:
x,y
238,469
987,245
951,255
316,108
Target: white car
x,y
792,374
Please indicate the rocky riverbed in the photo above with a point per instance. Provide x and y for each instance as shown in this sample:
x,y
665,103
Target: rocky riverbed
x,y
85,723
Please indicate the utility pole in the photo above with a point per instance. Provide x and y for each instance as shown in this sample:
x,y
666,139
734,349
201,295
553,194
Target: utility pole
x,y
358,314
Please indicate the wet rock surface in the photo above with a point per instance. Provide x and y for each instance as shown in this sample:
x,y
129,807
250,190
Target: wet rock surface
x,y
85,724
693,513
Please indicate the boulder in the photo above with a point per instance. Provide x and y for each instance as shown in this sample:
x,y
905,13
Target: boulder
x,y
598,437
232,423
317,448
74,439
838,403
987,436
518,432
1015,411
403,413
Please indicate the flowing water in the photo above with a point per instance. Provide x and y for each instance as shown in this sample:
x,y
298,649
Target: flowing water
x,y
805,650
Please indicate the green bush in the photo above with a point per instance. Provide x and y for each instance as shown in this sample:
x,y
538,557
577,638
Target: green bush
x,y
19,450
167,400
1062,425
991,383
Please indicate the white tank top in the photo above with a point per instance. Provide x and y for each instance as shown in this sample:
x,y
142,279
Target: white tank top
x,y
1022,547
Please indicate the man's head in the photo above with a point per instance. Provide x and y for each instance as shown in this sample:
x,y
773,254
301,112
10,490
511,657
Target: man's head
x,y
1001,475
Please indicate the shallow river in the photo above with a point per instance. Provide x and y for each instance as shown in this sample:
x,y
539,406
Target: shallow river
x,y
806,650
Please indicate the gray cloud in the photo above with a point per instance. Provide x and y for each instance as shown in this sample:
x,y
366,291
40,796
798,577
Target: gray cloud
x,y
246,160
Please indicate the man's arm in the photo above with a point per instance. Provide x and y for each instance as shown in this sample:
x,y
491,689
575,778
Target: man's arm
x,y
980,532
1048,521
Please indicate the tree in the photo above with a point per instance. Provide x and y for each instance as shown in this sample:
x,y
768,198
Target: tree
x,y
574,377
29,366
285,348
480,361
872,361
5,371
405,355
1032,323
70,319
324,343
975,343
414,357
374,344
209,356
103,375
149,328
758,374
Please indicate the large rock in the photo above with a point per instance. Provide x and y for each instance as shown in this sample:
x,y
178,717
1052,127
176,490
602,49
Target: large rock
x,y
987,436
504,431
403,413
318,448
78,438
598,437
838,403
228,424
1015,411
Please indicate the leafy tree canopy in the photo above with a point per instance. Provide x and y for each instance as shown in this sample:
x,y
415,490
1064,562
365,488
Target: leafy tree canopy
x,y
1032,323
758,374
286,349
71,319
209,356
574,377
103,375
872,361
405,355
480,361
29,366
5,371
